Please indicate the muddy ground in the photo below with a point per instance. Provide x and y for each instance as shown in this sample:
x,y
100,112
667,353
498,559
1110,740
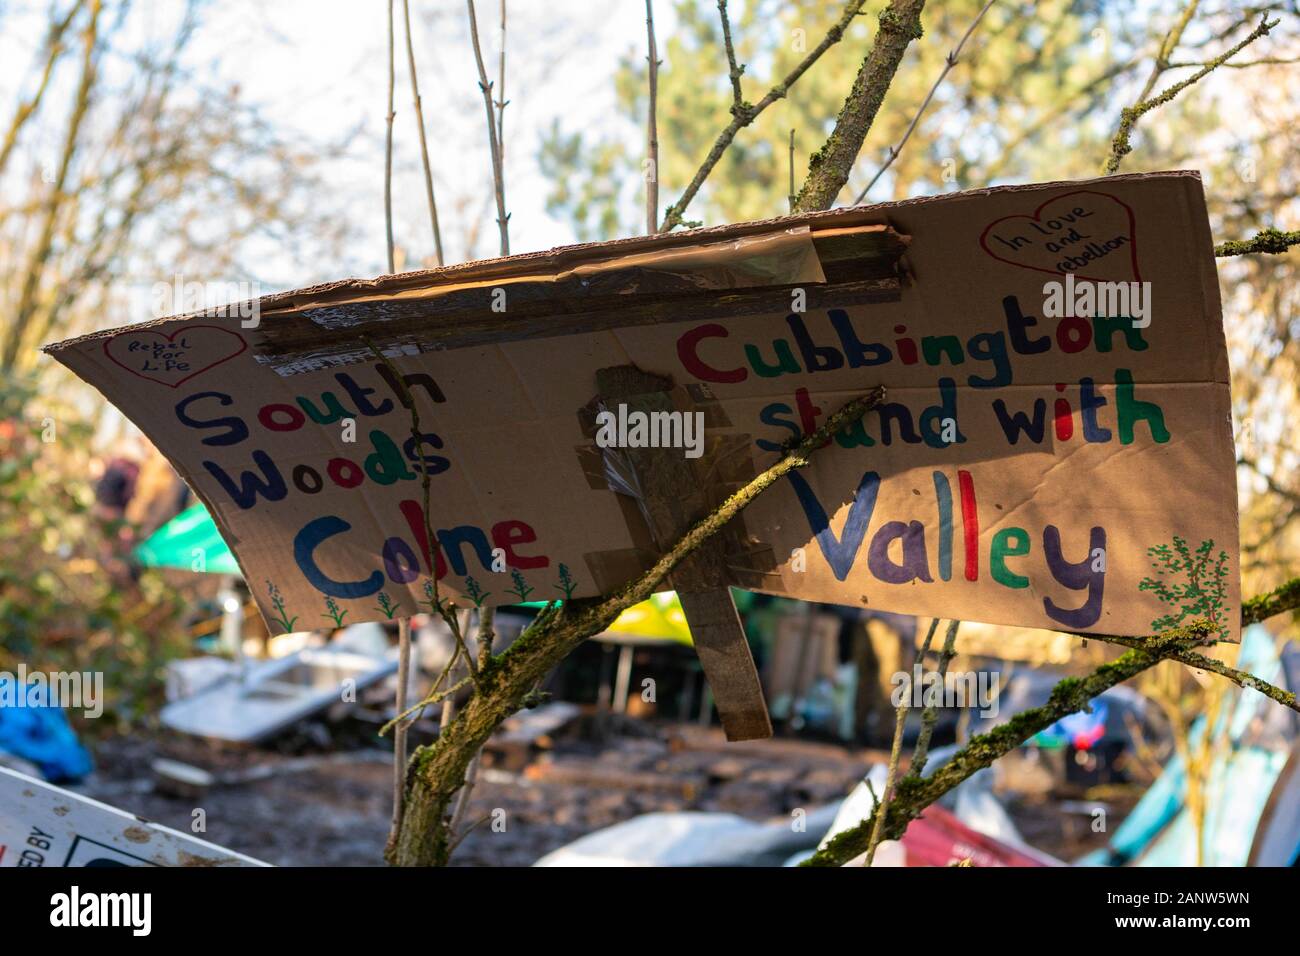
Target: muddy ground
x,y
333,808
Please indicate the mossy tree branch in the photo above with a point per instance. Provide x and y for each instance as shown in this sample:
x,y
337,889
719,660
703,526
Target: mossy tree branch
x,y
1272,241
830,166
913,794
1120,146
1242,679
505,681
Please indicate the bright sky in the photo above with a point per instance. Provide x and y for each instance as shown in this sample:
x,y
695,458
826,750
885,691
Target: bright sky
x,y
321,66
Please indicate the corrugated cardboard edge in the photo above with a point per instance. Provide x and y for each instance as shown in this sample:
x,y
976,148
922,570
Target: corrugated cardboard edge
x,y
565,256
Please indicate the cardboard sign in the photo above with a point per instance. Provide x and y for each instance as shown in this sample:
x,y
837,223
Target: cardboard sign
x,y
43,825
1055,447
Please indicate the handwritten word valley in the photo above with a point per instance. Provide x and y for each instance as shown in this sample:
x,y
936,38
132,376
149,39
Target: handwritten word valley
x,y
911,552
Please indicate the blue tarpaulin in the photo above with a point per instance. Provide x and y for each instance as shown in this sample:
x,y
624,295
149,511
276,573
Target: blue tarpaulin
x,y
39,733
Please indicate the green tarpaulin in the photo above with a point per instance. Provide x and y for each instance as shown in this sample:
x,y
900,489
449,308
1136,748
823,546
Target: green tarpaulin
x,y
189,541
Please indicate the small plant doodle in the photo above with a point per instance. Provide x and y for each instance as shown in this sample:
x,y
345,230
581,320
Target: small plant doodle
x,y
333,612
476,592
386,606
1202,590
521,588
434,604
568,584
277,602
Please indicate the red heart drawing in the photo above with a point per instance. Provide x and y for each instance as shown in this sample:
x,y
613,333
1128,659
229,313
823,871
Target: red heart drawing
x,y
160,358
1080,228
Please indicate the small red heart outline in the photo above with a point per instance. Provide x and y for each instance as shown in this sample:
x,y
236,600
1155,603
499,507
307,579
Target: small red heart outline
x,y
243,347
1036,217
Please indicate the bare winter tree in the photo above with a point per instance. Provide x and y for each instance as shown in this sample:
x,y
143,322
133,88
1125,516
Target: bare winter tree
x,y
134,157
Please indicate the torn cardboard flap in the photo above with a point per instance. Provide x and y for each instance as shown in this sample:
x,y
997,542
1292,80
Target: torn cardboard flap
x,y
741,275
1030,466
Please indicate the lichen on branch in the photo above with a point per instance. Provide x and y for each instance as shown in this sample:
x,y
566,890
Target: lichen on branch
x,y
1271,241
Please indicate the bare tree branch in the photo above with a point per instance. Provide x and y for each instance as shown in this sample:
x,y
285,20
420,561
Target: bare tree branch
x,y
949,62
790,195
494,144
1262,61
652,126
1242,679
388,147
53,50
734,70
891,774
745,114
1167,46
930,716
501,88
43,247
419,122
399,735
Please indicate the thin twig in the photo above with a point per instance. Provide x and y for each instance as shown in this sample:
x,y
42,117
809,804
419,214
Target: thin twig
x,y
652,126
432,697
486,635
462,798
949,62
1129,117
734,70
897,744
930,716
425,483
53,49
501,88
1262,61
424,145
1167,46
43,247
742,118
399,737
388,147
494,145
895,751
790,195
457,839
